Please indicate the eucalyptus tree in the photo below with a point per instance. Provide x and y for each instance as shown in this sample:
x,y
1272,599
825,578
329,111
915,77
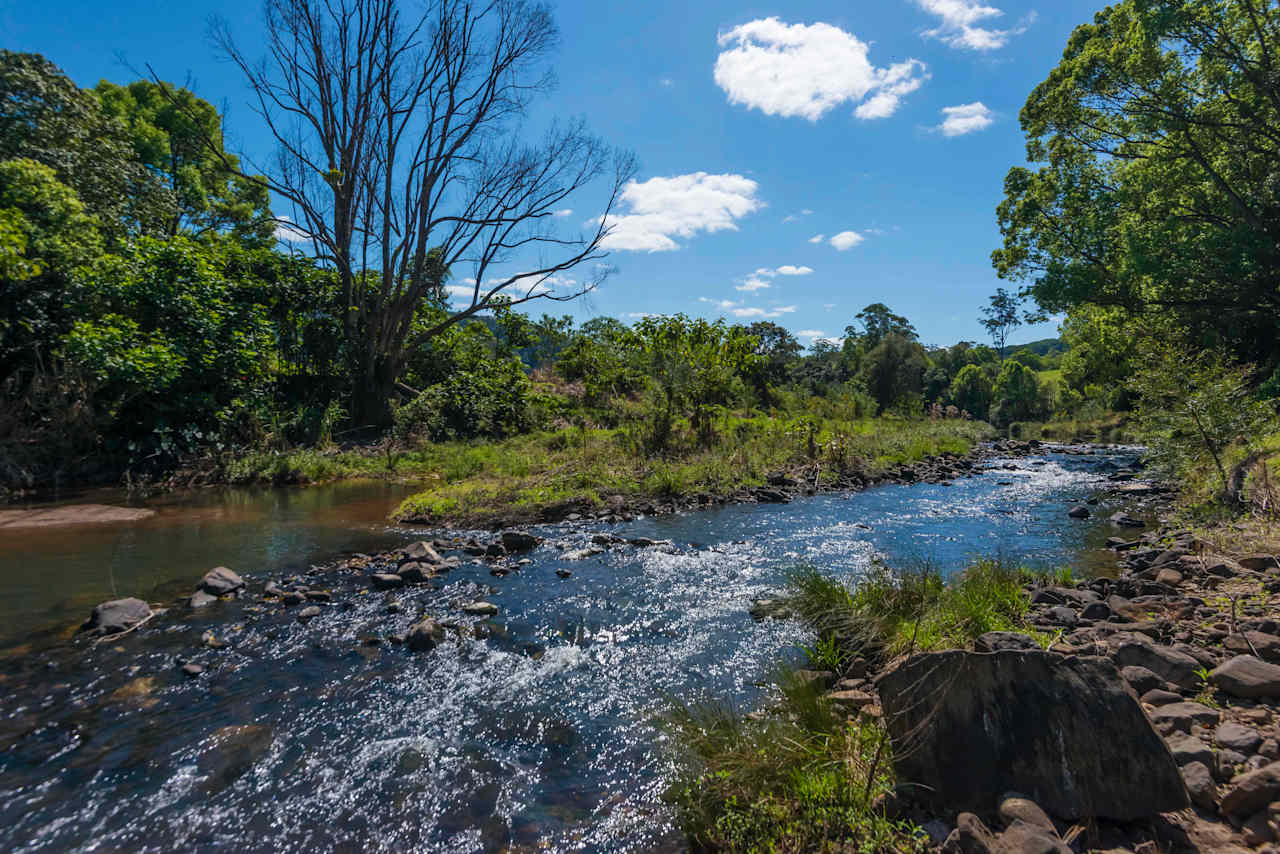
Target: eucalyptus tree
x,y
401,152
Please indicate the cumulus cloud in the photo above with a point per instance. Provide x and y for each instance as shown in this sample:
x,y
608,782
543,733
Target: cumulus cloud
x,y
789,270
661,209
817,238
752,283
965,118
807,70
846,240
959,22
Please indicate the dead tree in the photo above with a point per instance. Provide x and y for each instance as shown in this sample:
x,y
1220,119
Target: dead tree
x,y
399,146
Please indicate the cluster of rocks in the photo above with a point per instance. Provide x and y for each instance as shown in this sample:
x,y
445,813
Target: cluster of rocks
x,y
1152,719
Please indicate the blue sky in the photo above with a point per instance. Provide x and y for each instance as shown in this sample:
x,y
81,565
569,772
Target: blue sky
x,y
885,127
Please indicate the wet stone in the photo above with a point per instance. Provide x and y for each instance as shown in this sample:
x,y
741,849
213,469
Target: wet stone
x,y
309,613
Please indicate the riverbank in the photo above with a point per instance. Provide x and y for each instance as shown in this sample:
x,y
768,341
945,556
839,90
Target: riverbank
x,y
1183,643
599,474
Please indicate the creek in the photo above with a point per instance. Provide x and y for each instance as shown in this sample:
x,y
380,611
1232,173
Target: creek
x,y
319,735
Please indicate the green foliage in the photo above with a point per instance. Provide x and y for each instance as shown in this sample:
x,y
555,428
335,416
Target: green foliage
x,y
489,398
693,364
890,611
178,137
1154,183
47,118
799,778
973,391
1016,394
894,372
1196,408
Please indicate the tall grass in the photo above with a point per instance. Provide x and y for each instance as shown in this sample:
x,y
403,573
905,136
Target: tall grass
x,y
803,778
890,612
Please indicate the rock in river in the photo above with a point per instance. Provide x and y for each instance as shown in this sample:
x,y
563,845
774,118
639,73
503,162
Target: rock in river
x,y
118,615
519,541
480,609
969,727
424,635
220,581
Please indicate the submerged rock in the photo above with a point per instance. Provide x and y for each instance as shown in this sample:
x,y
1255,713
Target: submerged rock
x,y
118,615
968,727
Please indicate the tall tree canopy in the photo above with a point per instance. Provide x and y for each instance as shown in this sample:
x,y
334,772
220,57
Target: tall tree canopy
x,y
1157,139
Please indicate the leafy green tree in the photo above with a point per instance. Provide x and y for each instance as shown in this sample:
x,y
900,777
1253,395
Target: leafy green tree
x,y
894,372
606,358
973,391
693,364
1016,396
47,118
178,137
776,352
50,238
1194,407
1102,348
877,321
1156,166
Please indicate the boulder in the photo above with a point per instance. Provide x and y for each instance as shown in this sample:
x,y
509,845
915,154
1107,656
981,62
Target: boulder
x,y
1023,838
1253,791
968,727
1187,749
1160,697
1265,646
1014,808
1169,664
421,552
971,836
480,609
118,615
1096,611
1079,512
1169,577
1258,562
1240,738
1247,677
424,635
1143,680
1180,717
415,573
1200,785
519,541
309,613
386,580
1124,520
220,581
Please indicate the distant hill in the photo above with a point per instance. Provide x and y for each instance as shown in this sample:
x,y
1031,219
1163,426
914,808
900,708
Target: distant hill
x,y
1040,348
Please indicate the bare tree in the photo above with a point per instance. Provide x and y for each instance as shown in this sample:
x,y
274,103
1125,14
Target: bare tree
x,y
399,148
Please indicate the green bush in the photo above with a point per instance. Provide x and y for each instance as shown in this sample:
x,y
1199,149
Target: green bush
x,y
491,399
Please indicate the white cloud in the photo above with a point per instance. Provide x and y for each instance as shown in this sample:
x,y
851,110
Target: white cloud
x,y
817,238
959,24
641,315
788,270
661,209
846,240
965,118
806,212
289,231
743,312
810,333
752,283
808,69
564,212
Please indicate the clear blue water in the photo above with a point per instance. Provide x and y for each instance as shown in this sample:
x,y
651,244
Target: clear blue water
x,y
539,737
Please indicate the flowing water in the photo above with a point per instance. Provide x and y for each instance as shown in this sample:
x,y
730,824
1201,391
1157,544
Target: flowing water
x,y
540,736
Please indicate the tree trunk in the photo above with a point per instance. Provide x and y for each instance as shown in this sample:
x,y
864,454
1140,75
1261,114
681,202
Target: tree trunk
x,y
371,398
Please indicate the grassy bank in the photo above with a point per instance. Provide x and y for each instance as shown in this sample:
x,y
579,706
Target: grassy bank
x,y
519,477
801,774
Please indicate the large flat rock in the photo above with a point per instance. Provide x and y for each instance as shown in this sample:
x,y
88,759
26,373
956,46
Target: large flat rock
x,y
1066,732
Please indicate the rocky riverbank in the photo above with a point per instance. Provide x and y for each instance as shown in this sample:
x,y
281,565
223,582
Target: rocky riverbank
x,y
1150,721
782,486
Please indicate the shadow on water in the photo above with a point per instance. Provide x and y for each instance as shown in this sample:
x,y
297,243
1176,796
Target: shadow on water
x,y
537,735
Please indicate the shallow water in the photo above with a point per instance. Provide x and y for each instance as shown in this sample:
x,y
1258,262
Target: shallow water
x,y
537,737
